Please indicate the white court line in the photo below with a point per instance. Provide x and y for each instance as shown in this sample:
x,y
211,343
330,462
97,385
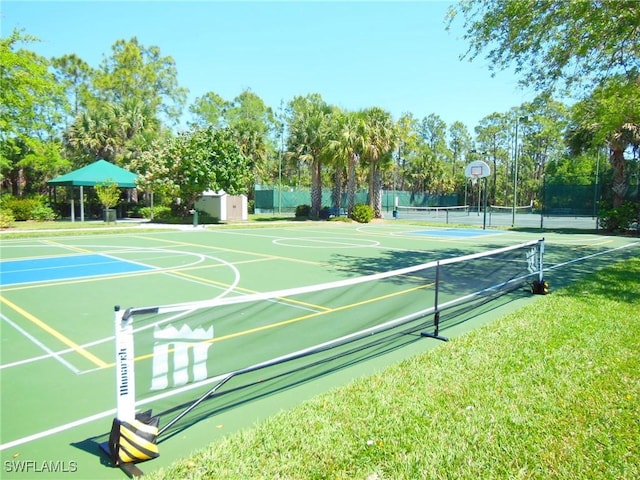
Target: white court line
x,y
51,353
579,259
58,429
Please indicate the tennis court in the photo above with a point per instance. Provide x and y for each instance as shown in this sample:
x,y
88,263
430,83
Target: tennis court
x,y
59,294
496,216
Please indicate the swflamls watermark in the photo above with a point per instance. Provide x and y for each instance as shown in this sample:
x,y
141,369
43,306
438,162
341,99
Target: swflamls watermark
x,y
40,466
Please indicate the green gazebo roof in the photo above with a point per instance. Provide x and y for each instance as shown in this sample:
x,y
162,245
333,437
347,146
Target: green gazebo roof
x,y
98,172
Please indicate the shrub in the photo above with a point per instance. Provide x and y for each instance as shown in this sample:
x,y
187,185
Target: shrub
x,y
43,213
21,208
159,212
303,211
205,218
108,192
362,213
6,218
325,213
620,219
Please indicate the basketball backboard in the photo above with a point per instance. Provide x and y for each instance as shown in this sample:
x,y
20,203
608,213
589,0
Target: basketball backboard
x,y
477,169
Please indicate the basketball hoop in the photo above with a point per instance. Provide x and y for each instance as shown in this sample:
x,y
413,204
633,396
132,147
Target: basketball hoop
x,y
475,170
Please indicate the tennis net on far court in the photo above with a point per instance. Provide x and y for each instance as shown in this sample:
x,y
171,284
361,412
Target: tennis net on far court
x,y
431,213
510,210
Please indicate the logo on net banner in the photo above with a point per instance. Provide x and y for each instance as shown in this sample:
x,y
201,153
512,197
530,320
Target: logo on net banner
x,y
179,356
533,261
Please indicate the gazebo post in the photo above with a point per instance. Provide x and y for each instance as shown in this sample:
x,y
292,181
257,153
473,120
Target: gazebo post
x,y
81,203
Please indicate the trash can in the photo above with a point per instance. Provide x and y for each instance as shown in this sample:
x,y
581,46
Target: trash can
x,y
395,214
109,215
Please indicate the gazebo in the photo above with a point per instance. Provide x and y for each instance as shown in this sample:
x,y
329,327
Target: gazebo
x,y
91,175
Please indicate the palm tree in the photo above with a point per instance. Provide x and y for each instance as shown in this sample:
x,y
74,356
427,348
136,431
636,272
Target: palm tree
x,y
116,132
308,127
346,145
611,115
380,139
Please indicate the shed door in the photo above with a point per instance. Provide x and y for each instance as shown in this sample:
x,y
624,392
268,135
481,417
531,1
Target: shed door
x,y
234,207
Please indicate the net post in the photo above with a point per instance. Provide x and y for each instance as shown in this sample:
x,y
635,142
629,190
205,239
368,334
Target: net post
x,y
540,286
125,396
436,311
125,375
541,272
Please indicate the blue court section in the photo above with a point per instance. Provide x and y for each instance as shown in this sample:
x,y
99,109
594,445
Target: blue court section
x,y
15,272
456,232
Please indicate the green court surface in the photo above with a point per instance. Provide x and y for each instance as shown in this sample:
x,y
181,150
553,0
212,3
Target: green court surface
x,y
58,295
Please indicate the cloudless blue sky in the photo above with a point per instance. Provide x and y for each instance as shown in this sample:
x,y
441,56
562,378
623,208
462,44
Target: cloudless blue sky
x,y
358,54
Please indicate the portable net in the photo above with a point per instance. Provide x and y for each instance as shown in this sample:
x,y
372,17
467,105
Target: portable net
x,y
174,357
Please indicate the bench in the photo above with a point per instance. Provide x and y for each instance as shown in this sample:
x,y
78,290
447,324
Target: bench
x,y
328,212
337,212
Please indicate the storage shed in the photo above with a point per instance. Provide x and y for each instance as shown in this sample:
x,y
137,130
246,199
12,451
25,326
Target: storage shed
x,y
222,206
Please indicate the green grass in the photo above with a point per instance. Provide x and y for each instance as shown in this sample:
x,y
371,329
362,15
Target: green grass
x,y
549,392
62,228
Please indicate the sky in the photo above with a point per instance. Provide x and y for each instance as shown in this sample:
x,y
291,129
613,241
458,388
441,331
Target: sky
x,y
356,54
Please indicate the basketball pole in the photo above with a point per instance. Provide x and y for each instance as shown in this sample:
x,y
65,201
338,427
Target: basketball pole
x,y
484,218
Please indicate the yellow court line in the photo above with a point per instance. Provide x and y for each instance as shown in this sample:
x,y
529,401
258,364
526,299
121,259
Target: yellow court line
x,y
297,319
68,247
68,342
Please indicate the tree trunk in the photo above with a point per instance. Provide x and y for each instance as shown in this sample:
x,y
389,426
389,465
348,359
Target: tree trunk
x,y
336,191
375,190
316,189
619,178
351,182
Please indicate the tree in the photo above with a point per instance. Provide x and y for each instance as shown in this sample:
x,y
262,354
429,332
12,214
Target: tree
x,y
75,75
554,42
125,104
460,144
254,126
433,130
345,145
542,140
30,105
108,193
143,75
209,110
380,139
116,132
193,162
308,121
408,142
493,135
590,48
611,116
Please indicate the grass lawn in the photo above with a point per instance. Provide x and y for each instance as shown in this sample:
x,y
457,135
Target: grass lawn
x,y
549,392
